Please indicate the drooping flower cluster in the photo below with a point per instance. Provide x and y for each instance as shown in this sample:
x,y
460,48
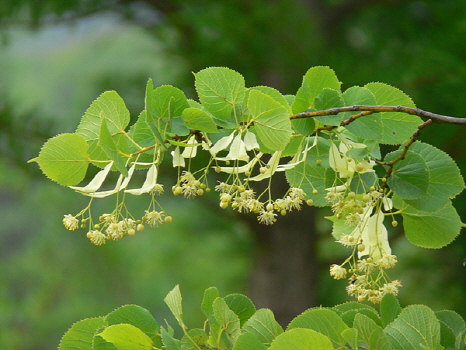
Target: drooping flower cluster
x,y
361,217
120,223
237,192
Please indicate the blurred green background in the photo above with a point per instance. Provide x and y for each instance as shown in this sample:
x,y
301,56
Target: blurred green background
x,y
57,56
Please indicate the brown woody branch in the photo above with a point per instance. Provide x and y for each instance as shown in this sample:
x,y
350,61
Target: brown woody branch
x,y
437,118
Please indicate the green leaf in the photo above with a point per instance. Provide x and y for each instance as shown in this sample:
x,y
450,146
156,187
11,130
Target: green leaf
x,y
370,333
339,227
108,105
197,119
178,127
174,303
415,328
110,148
138,317
296,145
195,339
149,101
311,178
314,81
210,295
64,159
275,94
304,126
301,339
263,325
80,336
370,126
351,337
361,183
429,229
455,323
410,178
141,133
169,342
397,126
111,107
241,305
349,306
447,337
318,153
271,120
389,309
324,321
227,320
169,102
248,341
327,99
127,337
101,344
445,180
220,89
350,315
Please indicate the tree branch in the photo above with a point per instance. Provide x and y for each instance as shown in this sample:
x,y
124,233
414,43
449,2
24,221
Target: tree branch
x,y
437,118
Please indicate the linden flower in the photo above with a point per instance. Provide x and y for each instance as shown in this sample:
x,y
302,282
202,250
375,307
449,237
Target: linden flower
x,y
96,237
337,272
267,217
70,222
347,241
154,218
392,287
388,261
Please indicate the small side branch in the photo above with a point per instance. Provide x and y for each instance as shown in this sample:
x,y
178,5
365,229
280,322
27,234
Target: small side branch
x,y
402,155
437,118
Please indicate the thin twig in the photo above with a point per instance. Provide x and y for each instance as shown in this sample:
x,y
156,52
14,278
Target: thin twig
x,y
437,118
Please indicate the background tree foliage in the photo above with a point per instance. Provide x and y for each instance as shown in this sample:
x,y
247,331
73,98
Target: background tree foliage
x,y
78,48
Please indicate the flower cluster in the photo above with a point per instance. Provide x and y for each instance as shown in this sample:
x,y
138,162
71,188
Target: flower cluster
x,y
244,200
111,228
189,186
360,216
120,222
